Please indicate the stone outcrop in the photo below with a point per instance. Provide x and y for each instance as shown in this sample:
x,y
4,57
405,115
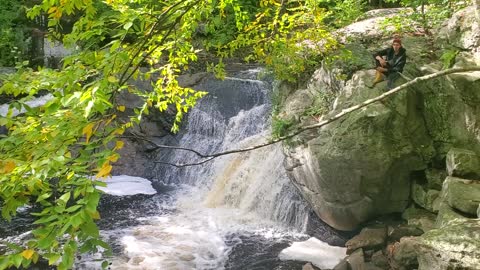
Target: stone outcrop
x,y
463,163
462,195
419,148
364,165
454,246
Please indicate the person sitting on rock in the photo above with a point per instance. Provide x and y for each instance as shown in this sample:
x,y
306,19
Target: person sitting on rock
x,y
389,62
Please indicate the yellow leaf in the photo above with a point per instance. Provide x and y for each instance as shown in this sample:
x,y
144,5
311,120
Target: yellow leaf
x,y
58,14
121,108
87,130
105,170
119,131
112,79
149,103
28,253
52,10
9,167
70,175
118,145
112,158
95,215
68,154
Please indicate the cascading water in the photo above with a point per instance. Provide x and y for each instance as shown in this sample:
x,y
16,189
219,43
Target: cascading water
x,y
235,212
223,210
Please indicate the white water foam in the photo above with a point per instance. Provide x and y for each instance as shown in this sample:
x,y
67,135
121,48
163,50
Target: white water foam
x,y
123,185
194,237
236,196
36,102
315,251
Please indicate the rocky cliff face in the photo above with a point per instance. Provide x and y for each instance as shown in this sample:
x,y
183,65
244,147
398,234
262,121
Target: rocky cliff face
x,y
364,165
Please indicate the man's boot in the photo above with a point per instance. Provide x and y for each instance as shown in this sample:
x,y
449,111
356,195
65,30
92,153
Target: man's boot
x,y
378,77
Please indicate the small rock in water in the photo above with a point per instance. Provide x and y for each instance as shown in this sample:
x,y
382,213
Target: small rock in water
x,y
186,257
137,260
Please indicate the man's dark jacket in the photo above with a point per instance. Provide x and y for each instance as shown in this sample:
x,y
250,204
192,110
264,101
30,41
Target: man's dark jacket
x,y
395,63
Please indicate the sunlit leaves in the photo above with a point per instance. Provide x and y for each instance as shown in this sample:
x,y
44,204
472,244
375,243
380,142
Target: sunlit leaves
x,y
104,170
53,150
88,130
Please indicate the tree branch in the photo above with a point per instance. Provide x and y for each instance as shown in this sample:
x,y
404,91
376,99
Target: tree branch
x,y
208,157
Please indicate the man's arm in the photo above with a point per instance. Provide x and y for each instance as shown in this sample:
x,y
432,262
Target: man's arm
x,y
378,56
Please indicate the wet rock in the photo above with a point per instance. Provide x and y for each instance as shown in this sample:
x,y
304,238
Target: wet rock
x,y
369,238
310,266
461,194
461,30
424,198
343,265
446,214
435,178
396,233
454,246
380,260
463,163
403,254
420,218
356,260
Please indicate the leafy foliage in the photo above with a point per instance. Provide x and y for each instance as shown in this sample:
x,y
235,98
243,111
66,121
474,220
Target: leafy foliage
x,y
426,13
448,58
321,105
55,155
13,44
281,126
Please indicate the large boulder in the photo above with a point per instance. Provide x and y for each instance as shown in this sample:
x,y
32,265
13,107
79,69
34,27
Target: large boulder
x,y
454,246
361,165
462,30
462,195
463,163
369,238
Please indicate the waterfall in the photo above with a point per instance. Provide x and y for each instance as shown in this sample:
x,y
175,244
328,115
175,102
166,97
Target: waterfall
x,y
240,199
235,114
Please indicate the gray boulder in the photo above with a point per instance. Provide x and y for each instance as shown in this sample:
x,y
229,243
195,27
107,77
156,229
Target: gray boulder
x,y
461,194
360,166
420,218
463,163
424,198
404,254
461,30
454,246
369,238
446,215
435,178
402,230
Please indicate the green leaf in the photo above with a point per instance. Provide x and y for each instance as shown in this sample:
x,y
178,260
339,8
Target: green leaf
x,y
92,202
127,25
52,258
16,259
46,219
73,208
65,197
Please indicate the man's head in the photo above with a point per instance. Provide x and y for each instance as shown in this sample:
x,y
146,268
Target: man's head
x,y
396,44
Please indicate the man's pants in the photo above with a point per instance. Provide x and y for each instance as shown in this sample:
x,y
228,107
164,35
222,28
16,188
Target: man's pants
x,y
391,77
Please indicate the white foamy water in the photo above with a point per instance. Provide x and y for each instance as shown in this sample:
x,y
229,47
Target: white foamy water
x,y
315,251
245,194
36,102
123,185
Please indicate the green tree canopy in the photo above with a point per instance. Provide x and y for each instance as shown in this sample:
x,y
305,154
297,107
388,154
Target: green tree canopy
x,y
55,155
